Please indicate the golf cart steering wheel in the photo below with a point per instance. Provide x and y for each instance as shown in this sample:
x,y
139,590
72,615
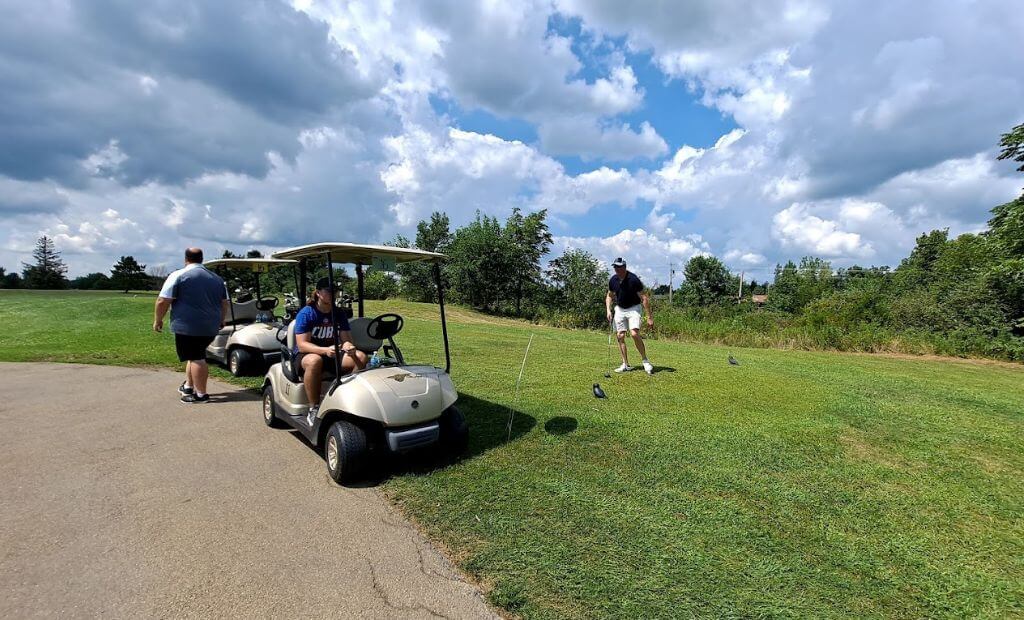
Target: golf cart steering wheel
x,y
266,303
385,326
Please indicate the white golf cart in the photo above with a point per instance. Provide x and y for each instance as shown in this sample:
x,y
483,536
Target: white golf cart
x,y
248,343
393,408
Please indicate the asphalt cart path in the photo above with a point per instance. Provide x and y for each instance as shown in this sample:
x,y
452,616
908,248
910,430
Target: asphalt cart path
x,y
117,500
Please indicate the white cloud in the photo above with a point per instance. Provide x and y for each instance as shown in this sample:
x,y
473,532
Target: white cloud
x,y
589,140
859,128
797,228
105,161
744,259
648,255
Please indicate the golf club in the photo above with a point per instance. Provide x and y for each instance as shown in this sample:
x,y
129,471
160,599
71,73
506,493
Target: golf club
x,y
608,375
515,397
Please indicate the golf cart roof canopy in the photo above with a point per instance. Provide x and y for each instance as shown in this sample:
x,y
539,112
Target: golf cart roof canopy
x,y
360,254
236,263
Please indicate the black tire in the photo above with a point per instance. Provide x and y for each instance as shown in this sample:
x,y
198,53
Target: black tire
x,y
270,408
454,432
345,451
241,362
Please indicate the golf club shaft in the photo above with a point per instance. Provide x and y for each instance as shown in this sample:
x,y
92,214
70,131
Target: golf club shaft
x,y
608,356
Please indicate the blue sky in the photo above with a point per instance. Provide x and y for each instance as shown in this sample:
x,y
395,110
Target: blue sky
x,y
655,131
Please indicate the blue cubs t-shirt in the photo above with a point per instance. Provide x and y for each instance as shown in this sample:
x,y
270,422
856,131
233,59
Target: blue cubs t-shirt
x,y
318,325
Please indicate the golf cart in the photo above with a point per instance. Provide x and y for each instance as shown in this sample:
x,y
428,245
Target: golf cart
x,y
248,343
393,408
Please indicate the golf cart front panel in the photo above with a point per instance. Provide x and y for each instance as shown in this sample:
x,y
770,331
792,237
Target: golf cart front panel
x,y
394,396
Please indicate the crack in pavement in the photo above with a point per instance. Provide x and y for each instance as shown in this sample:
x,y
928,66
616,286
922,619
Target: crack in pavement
x,y
379,589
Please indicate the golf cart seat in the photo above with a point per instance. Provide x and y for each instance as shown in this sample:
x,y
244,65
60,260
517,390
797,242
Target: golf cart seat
x,y
361,338
244,312
289,368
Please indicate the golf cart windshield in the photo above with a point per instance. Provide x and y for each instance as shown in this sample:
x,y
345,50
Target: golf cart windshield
x,y
377,257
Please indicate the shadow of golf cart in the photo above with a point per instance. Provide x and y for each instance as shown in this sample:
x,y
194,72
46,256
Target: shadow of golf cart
x,y
394,408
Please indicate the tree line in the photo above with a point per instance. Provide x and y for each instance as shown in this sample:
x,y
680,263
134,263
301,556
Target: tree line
x,y
962,295
49,271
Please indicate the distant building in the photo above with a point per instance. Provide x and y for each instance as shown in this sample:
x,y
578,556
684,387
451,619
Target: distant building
x,y
759,300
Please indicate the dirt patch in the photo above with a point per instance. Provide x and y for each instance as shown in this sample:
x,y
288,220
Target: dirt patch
x,y
973,361
857,447
993,465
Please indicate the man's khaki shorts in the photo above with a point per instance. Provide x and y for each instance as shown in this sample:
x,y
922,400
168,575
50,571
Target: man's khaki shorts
x,y
628,318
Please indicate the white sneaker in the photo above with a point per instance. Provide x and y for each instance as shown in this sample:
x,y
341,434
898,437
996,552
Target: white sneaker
x,y
311,417
648,367
624,368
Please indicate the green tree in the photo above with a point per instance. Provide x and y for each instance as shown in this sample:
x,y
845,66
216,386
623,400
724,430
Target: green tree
x,y
815,280
480,265
784,291
1013,145
706,282
11,280
49,271
581,283
91,282
417,279
128,274
529,239
1006,231
380,285
916,271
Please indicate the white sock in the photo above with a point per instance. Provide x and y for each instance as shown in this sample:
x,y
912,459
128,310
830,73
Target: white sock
x,y
200,394
187,386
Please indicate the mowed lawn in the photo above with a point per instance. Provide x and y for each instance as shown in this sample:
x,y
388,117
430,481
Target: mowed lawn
x,y
795,484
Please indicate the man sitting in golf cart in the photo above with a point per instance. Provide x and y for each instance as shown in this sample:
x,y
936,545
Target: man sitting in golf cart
x,y
314,343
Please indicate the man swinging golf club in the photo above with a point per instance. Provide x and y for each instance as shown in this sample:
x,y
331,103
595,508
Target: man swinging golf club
x,y
626,289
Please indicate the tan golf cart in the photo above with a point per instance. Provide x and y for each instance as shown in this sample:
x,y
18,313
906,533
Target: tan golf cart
x,y
394,408
249,342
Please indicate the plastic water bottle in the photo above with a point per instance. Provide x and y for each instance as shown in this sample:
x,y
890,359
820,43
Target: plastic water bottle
x,y
374,361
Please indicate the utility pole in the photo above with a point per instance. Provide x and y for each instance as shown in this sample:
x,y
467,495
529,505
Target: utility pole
x,y
740,297
671,272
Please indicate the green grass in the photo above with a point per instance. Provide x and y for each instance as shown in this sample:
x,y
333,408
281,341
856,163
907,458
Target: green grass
x,y
795,484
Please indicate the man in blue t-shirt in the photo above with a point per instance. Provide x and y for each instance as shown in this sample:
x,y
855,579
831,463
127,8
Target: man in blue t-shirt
x,y
198,303
314,343
627,291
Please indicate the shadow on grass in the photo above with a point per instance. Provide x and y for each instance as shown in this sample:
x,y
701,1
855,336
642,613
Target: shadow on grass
x,y
658,369
561,425
488,429
488,424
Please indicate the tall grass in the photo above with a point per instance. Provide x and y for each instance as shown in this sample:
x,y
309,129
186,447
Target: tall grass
x,y
744,326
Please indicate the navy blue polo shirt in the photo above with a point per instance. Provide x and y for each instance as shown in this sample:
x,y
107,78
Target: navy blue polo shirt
x,y
627,291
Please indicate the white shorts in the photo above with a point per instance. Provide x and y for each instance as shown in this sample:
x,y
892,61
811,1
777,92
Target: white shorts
x,y
628,318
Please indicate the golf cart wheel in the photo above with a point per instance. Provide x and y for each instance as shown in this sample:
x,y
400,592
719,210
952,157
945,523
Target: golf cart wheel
x,y
454,431
345,451
241,362
270,409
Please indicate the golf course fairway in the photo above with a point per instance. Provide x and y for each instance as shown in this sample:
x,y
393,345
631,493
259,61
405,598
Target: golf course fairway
x,y
792,484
